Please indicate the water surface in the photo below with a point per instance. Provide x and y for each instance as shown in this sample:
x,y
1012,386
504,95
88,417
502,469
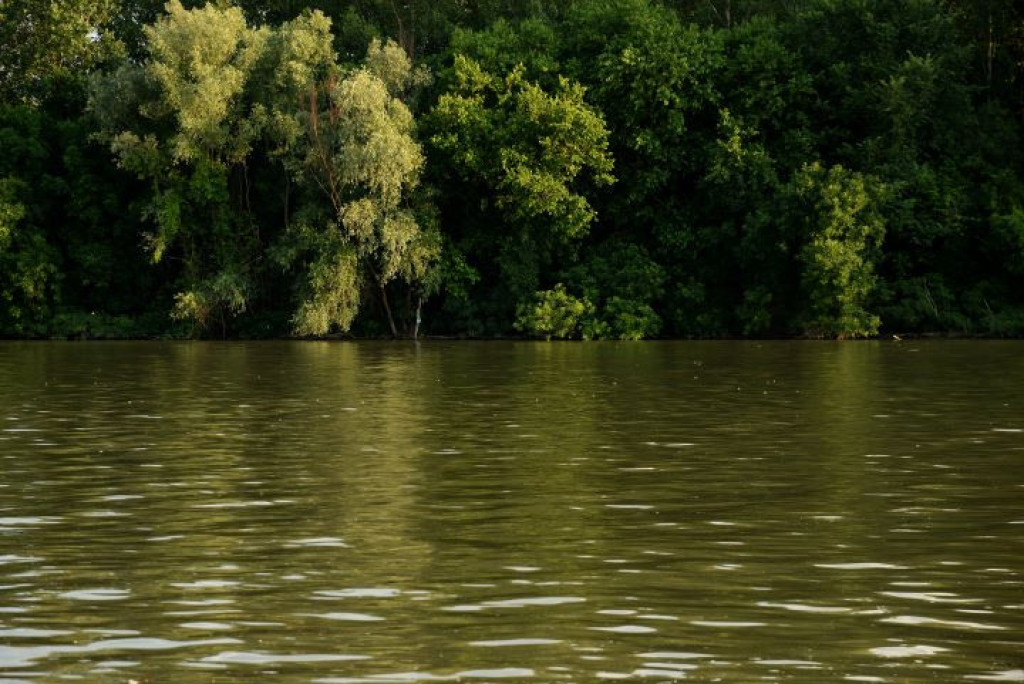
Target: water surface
x,y
350,512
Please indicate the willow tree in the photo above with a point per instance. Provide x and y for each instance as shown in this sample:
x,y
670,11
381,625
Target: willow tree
x,y
361,154
181,120
216,102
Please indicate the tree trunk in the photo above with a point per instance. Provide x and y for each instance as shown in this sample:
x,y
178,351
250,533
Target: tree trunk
x,y
416,326
287,196
387,310
990,54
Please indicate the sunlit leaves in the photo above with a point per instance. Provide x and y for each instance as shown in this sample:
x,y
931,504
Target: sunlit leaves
x,y
11,210
554,313
360,152
201,59
529,145
28,265
332,291
182,121
213,97
47,44
843,231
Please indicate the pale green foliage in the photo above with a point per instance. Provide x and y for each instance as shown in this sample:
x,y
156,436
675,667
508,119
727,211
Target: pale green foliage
x,y
299,51
391,64
554,313
211,89
844,229
185,120
212,94
368,136
560,314
332,293
297,57
201,59
557,313
363,156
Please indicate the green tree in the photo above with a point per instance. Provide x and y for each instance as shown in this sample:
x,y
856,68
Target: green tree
x,y
828,234
218,106
654,80
844,233
625,285
27,266
528,156
897,98
554,313
182,121
49,45
362,155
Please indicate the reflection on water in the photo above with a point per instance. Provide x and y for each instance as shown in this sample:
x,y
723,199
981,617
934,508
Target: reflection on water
x,y
345,512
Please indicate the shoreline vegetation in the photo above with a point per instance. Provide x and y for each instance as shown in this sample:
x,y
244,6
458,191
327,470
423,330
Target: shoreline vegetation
x,y
579,169
350,337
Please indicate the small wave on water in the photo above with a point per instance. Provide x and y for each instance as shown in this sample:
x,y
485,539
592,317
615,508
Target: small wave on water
x,y
1003,676
31,656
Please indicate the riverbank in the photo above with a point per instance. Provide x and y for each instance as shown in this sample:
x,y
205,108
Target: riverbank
x,y
347,337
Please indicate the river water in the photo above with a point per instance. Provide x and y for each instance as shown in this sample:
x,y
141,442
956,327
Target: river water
x,y
375,512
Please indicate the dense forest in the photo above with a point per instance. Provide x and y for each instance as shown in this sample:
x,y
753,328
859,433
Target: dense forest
x,y
596,169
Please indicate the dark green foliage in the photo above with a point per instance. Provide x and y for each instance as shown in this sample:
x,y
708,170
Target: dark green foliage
x,y
616,169
526,155
625,284
67,246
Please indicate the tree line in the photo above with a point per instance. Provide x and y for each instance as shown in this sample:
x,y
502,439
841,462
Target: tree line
x,y
596,169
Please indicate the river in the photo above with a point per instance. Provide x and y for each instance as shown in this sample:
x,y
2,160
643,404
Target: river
x,y
516,512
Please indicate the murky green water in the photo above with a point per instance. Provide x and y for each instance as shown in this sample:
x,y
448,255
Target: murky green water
x,y
338,512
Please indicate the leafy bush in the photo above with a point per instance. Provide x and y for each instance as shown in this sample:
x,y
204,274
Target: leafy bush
x,y
554,313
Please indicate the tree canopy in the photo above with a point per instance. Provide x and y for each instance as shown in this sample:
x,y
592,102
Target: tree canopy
x,y
619,169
